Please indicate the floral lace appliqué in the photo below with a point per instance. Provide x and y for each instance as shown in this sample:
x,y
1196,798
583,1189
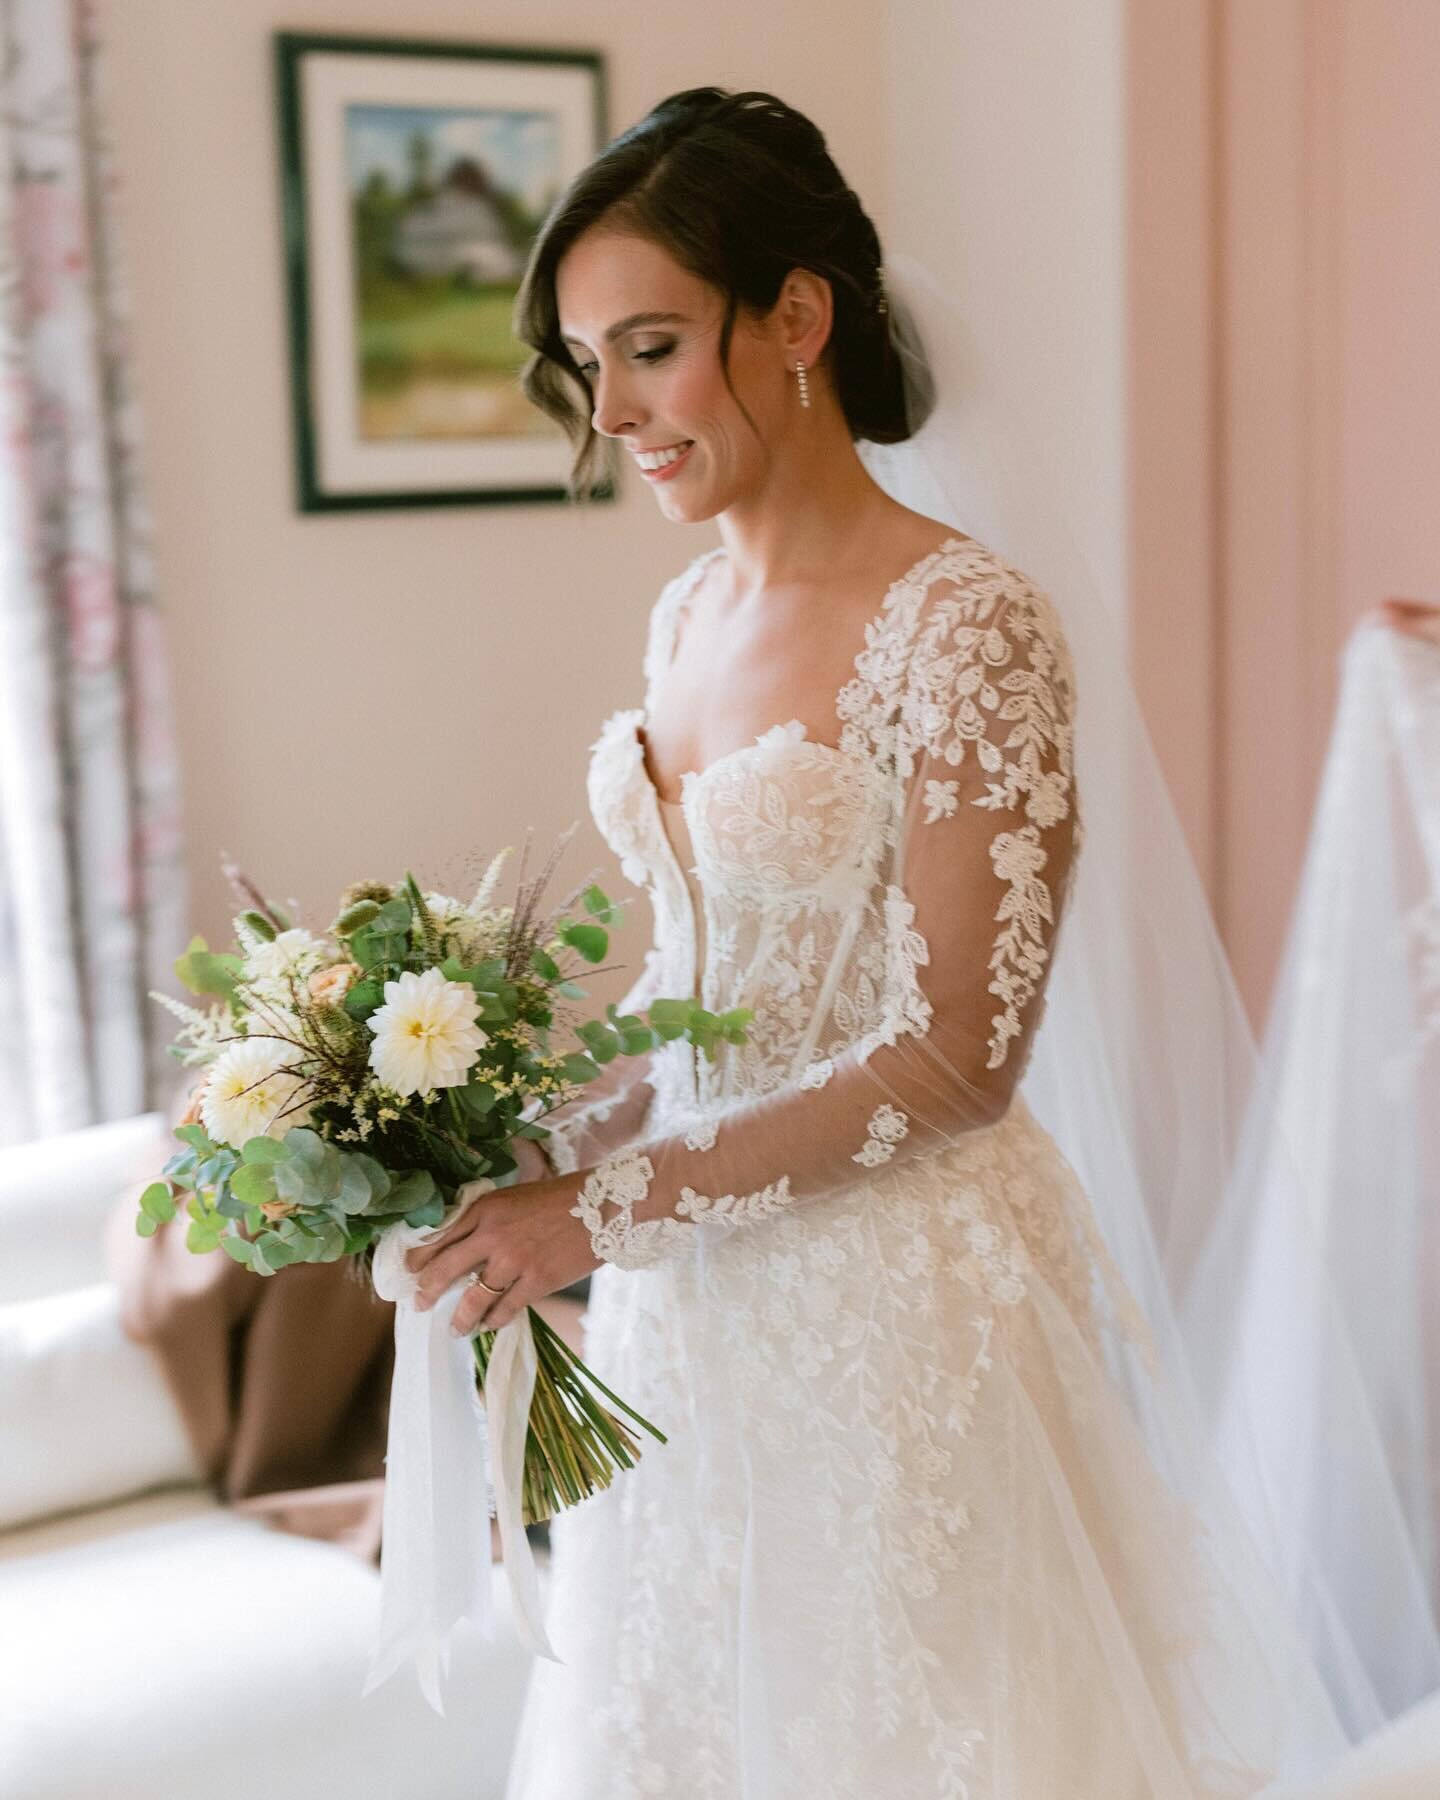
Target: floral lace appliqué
x,y
888,1126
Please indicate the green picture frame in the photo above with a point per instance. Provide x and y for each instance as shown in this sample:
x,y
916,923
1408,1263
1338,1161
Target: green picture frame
x,y
414,174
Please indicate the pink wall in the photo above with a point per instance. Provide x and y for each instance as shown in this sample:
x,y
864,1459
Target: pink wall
x,y
1285,398
505,633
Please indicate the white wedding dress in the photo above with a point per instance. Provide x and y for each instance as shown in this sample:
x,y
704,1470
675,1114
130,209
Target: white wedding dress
x,y
904,1541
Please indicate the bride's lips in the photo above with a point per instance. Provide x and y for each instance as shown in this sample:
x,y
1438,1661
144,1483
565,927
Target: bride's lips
x,y
670,468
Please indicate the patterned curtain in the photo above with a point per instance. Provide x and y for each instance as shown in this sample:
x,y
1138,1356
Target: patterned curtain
x,y
91,893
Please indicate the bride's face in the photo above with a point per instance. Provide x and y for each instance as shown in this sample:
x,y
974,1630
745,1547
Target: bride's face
x,y
657,381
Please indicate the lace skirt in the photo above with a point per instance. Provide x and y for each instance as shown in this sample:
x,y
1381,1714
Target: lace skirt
x,y
905,1539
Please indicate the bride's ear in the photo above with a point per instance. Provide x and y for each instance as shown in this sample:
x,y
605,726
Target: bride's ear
x,y
804,313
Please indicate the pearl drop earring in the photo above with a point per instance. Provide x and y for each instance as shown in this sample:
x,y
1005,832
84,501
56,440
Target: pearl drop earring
x,y
804,381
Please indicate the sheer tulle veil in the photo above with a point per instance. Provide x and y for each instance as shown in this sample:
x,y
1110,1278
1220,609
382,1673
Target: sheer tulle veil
x,y
1144,1070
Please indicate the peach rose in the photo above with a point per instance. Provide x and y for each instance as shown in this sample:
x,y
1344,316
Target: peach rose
x,y
328,987
277,1209
196,1101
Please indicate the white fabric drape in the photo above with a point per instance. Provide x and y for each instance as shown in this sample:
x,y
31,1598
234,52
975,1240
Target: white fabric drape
x,y
91,901
1346,1100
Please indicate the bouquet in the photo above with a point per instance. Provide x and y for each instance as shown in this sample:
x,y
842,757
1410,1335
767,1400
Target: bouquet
x,y
359,1079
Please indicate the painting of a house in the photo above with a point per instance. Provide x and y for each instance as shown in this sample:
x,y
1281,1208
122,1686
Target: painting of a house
x,y
445,206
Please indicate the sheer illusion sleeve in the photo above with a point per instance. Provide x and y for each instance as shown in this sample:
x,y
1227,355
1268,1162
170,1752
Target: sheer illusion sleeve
x,y
984,835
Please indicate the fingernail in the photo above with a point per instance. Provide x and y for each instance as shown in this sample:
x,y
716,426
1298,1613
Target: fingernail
x,y
422,1302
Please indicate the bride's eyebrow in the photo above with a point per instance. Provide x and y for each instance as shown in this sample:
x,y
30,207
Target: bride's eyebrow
x,y
633,322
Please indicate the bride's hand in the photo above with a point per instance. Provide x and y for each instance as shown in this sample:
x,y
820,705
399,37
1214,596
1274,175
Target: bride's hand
x,y
523,1240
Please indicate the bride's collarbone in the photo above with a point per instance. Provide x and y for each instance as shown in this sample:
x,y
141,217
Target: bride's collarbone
x,y
735,673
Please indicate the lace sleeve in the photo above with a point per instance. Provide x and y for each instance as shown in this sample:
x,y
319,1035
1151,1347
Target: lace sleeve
x,y
985,837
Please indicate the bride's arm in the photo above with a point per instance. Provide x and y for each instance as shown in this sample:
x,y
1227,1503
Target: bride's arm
x,y
984,744
986,849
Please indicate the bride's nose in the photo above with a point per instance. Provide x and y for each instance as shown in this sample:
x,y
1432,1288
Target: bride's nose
x,y
616,413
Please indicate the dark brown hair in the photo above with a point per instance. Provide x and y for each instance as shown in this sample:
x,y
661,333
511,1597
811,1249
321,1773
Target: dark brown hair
x,y
739,189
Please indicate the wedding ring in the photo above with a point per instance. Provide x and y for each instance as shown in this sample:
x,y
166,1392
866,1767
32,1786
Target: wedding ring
x,y
473,1279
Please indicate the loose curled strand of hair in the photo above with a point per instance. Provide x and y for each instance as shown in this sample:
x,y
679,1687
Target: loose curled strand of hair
x,y
739,189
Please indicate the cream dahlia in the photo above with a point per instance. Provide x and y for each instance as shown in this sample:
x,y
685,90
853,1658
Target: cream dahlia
x,y
251,1093
425,1033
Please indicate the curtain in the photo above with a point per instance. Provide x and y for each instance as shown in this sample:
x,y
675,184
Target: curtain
x,y
91,892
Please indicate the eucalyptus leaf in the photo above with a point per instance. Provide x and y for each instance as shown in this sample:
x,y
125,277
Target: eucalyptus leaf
x,y
263,1150
158,1203
355,1193
204,971
431,1213
394,917
253,1184
237,1247
411,1191
591,941
599,905
578,1068
602,1043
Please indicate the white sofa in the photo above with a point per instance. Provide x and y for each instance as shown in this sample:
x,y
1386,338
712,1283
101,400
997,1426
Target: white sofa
x,y
153,1644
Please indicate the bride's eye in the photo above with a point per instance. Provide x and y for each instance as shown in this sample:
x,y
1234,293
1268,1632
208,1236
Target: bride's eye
x,y
655,355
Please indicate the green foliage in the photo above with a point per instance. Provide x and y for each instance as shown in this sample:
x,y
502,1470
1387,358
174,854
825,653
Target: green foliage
x,y
364,998
670,1018
205,971
597,1037
258,926
601,907
158,1203
305,1197
499,998
477,1099
262,1150
591,941
362,913
385,939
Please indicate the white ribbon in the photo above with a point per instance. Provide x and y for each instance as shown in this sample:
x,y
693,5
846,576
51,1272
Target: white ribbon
x,y
435,1556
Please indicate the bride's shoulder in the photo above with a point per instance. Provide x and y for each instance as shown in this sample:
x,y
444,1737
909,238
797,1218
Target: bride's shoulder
x,y
971,579
980,608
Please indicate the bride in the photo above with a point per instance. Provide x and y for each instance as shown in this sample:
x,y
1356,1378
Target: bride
x,y
905,1539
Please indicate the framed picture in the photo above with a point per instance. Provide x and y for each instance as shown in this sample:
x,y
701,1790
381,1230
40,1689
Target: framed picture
x,y
415,177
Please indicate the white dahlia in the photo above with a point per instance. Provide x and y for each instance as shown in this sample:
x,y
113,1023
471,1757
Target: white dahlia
x,y
252,1093
425,1033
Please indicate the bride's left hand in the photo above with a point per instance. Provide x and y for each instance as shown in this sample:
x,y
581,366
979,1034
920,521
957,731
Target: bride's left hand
x,y
521,1239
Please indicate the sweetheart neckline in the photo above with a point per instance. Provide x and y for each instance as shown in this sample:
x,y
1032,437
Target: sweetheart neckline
x,y
690,777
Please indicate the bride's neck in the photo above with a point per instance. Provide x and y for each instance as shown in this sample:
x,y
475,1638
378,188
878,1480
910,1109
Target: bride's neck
x,y
818,503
